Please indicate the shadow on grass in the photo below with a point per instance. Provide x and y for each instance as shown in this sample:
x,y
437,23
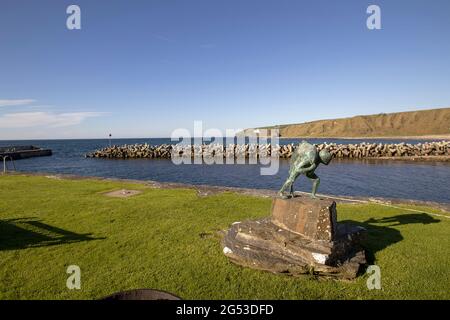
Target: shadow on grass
x,y
381,235
31,233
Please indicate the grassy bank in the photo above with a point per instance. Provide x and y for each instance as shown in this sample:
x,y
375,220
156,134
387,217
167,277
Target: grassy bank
x,y
410,124
168,239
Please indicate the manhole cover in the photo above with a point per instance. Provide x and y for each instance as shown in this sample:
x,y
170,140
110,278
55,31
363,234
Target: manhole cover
x,y
142,294
123,193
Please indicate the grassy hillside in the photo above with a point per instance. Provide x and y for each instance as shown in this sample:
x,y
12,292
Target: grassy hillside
x,y
168,239
401,124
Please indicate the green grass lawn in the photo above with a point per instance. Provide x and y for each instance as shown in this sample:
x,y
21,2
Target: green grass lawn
x,y
168,239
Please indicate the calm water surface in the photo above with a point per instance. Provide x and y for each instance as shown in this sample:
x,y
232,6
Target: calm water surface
x,y
377,178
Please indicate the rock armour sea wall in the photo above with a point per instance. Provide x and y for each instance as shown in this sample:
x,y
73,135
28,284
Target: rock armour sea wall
x,y
362,150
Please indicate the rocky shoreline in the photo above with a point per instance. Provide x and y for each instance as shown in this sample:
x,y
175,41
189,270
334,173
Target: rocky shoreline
x,y
439,150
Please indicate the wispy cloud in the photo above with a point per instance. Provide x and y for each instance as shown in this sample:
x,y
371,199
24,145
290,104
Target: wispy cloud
x,y
49,119
16,102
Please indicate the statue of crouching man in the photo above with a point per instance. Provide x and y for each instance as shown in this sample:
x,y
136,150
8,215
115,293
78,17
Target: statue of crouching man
x,y
305,160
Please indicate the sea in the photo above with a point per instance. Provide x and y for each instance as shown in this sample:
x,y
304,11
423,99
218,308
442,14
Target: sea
x,y
416,180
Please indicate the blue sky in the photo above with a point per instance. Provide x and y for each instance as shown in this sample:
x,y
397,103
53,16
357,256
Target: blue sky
x,y
145,68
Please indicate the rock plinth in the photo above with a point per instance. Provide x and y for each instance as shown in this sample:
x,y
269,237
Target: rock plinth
x,y
301,237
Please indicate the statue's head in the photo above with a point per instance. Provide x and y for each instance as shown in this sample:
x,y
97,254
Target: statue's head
x,y
325,156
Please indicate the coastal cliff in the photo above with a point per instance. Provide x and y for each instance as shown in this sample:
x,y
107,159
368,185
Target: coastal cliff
x,y
433,123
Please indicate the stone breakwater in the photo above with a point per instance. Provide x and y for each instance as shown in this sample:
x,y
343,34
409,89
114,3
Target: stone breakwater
x,y
362,150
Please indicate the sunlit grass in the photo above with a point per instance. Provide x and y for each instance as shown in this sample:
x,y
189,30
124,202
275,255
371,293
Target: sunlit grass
x,y
169,240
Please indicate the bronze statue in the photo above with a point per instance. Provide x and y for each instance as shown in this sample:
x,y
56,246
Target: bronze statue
x,y
305,160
